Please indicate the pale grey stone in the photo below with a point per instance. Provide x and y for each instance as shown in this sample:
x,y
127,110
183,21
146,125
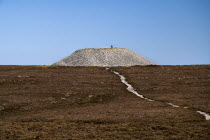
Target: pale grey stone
x,y
104,57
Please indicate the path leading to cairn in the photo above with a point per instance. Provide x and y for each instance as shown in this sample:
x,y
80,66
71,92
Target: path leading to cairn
x,y
132,90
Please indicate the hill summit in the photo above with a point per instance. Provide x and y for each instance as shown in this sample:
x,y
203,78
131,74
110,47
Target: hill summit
x,y
104,57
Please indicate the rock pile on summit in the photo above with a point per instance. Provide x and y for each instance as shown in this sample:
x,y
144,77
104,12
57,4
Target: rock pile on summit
x,y
110,57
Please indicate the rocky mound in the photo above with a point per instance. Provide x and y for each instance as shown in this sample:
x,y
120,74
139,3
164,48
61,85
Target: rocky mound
x,y
104,57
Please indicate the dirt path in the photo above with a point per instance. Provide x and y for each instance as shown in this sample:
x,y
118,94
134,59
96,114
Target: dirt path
x,y
132,90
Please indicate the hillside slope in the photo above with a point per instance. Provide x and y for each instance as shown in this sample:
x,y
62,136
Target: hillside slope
x,y
104,57
38,102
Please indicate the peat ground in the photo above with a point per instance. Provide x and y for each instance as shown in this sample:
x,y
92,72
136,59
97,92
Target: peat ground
x,y
51,102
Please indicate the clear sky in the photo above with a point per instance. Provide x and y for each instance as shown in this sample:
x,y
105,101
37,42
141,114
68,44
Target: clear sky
x,y
168,32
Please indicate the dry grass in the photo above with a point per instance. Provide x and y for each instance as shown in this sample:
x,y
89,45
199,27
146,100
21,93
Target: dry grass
x,y
39,102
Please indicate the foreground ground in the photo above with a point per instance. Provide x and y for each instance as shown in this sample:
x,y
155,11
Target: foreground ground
x,y
41,102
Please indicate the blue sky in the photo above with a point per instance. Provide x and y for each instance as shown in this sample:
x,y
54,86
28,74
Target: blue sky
x,y
168,32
